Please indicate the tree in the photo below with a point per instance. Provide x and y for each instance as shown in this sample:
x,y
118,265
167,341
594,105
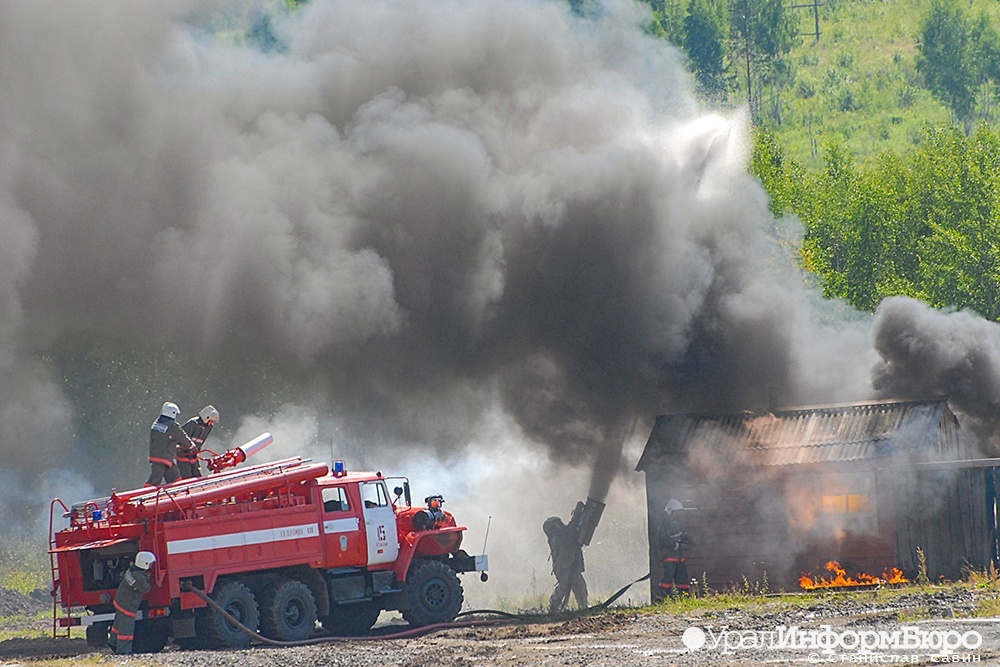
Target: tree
x,y
925,225
960,263
782,177
945,58
986,64
668,20
705,30
762,33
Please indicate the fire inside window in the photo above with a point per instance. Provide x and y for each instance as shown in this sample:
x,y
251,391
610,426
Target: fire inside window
x,y
845,503
850,496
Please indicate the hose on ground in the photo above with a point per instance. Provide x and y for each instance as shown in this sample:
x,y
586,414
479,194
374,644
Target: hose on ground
x,y
412,632
606,603
496,612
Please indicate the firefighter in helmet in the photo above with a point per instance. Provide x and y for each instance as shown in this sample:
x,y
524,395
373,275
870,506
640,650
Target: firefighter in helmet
x,y
165,435
134,584
567,564
673,541
197,428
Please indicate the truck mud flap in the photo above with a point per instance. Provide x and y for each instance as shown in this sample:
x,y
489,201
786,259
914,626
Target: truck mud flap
x,y
463,562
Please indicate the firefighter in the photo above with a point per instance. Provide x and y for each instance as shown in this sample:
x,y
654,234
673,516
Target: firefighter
x,y
197,428
567,564
673,541
134,584
165,435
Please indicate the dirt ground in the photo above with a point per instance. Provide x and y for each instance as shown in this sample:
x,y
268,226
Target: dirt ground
x,y
925,627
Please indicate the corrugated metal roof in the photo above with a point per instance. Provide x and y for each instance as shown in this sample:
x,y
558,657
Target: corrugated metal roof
x,y
923,430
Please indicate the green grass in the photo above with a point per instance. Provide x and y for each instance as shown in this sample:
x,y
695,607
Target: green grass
x,y
858,84
24,566
38,626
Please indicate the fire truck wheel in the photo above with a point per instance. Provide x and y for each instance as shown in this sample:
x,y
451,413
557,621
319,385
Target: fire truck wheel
x,y
287,611
150,636
239,602
434,593
350,620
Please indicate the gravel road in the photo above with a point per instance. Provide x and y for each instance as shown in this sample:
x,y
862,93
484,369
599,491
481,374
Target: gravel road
x,y
877,627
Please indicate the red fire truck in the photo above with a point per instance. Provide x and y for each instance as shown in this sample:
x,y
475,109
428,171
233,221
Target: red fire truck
x,y
279,546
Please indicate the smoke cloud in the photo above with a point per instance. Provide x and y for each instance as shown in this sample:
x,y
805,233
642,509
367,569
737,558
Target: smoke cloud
x,y
401,219
925,352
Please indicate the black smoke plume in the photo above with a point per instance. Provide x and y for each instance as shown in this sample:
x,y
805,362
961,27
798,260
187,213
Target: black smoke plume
x,y
403,214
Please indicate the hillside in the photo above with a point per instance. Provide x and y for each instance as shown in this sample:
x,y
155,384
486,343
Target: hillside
x,y
858,83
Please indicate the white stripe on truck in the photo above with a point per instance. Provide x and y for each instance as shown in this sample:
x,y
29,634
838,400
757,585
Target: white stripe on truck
x,y
340,525
231,540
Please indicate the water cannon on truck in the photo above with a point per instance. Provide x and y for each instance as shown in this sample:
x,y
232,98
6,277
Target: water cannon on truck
x,y
279,546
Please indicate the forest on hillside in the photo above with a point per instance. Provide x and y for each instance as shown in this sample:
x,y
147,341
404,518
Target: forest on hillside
x,y
874,126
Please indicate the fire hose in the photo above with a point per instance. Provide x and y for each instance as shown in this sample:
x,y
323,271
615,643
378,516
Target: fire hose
x,y
412,632
621,592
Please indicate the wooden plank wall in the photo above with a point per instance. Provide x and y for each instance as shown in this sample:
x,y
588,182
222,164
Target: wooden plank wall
x,y
950,516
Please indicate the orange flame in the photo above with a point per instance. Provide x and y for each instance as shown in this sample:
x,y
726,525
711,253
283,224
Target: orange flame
x,y
841,580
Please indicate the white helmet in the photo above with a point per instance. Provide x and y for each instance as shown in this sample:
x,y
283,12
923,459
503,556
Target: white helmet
x,y
170,410
208,413
673,505
144,559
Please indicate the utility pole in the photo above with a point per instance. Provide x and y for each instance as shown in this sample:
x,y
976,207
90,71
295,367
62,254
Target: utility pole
x,y
815,5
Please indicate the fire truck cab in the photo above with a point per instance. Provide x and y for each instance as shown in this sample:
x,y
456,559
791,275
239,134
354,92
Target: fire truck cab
x,y
280,546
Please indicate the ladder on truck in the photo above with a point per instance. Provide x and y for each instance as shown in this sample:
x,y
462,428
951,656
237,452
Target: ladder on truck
x,y
58,629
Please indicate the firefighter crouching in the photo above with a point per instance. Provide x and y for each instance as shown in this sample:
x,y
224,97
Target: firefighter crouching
x,y
673,541
197,428
165,435
134,584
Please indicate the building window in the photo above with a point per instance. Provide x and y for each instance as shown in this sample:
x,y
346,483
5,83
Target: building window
x,y
850,497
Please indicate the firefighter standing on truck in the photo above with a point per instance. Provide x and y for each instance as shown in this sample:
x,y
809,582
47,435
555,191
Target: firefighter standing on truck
x,y
673,541
134,584
197,428
165,435
567,562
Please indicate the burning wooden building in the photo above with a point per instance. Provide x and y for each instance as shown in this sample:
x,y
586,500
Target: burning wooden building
x,y
770,496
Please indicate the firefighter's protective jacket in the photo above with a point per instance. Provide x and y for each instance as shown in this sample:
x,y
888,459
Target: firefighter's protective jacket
x,y
672,539
165,436
566,550
197,431
134,584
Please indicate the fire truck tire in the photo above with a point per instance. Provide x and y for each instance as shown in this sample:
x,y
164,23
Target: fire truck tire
x,y
434,593
287,611
151,636
238,601
352,619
